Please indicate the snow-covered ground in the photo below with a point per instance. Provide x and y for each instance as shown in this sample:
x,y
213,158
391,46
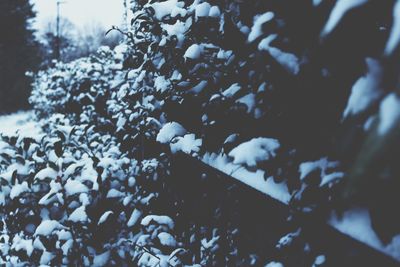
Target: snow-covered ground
x,y
20,122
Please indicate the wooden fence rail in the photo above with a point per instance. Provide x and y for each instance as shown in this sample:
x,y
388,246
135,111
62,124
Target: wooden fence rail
x,y
210,197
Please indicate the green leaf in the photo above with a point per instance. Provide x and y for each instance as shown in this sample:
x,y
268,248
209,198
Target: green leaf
x,y
72,131
58,148
60,135
6,157
14,177
27,143
20,160
53,166
95,161
3,181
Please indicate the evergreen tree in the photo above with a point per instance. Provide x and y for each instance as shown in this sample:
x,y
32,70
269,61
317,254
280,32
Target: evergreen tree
x,y
18,53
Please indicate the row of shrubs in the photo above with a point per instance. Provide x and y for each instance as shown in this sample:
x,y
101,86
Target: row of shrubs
x,y
226,72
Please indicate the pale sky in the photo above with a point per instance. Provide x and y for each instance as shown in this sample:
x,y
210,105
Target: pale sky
x,y
80,12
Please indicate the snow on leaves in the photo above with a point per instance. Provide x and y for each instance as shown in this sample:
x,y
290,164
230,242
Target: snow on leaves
x,y
254,151
193,77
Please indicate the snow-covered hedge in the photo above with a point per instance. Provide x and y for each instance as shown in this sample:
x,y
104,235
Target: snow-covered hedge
x,y
71,197
261,88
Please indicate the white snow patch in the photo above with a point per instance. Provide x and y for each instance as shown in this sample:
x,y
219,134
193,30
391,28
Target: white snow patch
x,y
222,54
389,113
104,217
20,122
289,61
73,187
148,260
67,246
394,38
8,174
366,89
18,189
169,131
202,10
287,239
232,90
255,150
256,30
178,29
339,10
101,259
161,84
323,164
84,199
255,180
178,11
46,173
46,257
357,224
135,216
274,264
194,51
114,193
163,9
214,12
166,239
37,244
266,42
198,87
231,138
326,179
22,244
158,219
249,100
53,194
320,259
209,244
121,123
46,227
64,235
369,122
187,144
317,2
78,215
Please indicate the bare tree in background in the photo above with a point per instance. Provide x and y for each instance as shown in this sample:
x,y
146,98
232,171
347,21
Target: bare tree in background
x,y
92,36
67,46
74,42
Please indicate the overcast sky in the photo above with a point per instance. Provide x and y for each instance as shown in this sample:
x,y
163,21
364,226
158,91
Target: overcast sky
x,y
80,12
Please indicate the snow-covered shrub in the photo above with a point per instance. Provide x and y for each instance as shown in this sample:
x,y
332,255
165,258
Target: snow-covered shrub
x,y
202,77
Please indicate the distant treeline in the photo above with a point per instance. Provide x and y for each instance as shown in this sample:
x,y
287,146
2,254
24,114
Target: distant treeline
x,y
18,53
